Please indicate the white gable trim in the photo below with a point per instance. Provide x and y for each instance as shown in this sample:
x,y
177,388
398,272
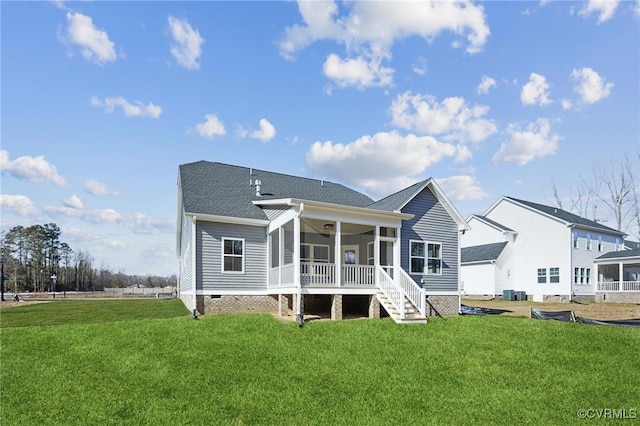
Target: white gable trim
x,y
228,219
442,198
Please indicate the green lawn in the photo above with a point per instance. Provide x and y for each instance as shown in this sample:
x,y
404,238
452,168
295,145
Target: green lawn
x,y
254,369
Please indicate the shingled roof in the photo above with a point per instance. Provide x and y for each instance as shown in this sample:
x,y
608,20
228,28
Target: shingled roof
x,y
620,254
225,190
481,253
395,201
492,223
567,216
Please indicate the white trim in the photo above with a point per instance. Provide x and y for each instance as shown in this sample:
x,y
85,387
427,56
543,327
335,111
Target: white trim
x,y
229,219
353,247
335,207
425,269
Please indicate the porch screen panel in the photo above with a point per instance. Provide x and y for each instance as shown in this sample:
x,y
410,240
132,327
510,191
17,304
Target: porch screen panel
x,y
288,243
275,248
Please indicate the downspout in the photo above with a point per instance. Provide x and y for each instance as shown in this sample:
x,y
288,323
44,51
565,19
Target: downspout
x,y
459,275
296,260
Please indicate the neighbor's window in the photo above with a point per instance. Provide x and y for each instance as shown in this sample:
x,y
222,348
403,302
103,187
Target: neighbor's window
x,y
232,255
587,276
554,275
588,241
617,244
575,240
600,243
576,275
542,276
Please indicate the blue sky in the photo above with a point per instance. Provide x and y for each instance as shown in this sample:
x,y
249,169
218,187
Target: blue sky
x,y
102,101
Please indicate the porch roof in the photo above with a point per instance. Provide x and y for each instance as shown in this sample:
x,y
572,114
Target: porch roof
x,y
335,207
617,255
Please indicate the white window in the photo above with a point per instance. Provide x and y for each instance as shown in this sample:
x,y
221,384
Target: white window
x,y
588,241
617,244
370,253
575,240
582,276
542,275
600,247
425,257
314,253
233,255
554,275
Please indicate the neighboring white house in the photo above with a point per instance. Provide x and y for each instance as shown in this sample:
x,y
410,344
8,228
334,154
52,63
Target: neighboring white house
x,y
253,240
544,251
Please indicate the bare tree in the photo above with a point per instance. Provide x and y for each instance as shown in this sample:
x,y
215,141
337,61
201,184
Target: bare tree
x,y
611,190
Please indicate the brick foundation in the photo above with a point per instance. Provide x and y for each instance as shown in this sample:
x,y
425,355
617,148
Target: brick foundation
x,y
444,305
229,304
336,307
374,307
618,297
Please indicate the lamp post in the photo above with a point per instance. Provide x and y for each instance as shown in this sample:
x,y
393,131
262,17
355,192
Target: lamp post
x,y
2,279
53,280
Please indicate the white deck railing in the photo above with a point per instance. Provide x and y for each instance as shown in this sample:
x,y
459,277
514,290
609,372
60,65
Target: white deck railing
x,y
359,275
317,273
393,292
412,291
619,286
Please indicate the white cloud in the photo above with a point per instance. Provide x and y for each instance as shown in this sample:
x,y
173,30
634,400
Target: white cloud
x,y
139,109
358,72
33,169
101,216
187,43
94,44
567,104
525,145
211,127
536,91
368,31
452,117
421,67
140,223
381,163
74,202
486,84
591,87
462,188
266,132
94,187
604,8
21,205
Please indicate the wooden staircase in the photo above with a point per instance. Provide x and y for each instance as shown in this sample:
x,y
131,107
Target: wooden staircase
x,y
411,313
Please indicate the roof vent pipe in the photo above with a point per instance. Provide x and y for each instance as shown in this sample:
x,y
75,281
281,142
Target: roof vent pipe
x,y
258,186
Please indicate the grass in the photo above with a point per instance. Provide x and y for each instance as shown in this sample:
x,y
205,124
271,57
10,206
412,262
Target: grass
x,y
253,369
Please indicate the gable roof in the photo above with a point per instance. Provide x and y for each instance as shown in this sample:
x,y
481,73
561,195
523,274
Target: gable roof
x,y
396,201
481,253
491,223
219,189
565,216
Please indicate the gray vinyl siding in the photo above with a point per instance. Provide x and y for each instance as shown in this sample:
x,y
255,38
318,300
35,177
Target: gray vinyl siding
x,y
431,223
209,274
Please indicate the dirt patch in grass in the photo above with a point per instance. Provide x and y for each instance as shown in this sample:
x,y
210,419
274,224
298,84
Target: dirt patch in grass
x,y
600,311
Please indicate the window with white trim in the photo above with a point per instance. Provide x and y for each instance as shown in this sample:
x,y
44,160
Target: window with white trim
x,y
233,255
370,253
425,257
617,244
582,276
575,240
554,275
542,275
588,241
600,246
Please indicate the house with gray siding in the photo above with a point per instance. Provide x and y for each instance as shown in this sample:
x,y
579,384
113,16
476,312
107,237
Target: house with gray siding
x,y
254,240
542,252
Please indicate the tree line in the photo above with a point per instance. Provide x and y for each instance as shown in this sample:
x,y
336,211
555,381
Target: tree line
x,y
32,256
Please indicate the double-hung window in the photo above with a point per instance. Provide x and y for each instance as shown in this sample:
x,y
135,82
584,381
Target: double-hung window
x,y
600,247
233,255
588,241
582,276
542,275
554,275
575,240
425,257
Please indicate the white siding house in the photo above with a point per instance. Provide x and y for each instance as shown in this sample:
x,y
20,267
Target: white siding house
x,y
549,252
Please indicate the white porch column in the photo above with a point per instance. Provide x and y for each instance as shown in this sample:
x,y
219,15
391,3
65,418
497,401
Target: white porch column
x,y
396,249
621,272
376,252
280,254
338,255
296,251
